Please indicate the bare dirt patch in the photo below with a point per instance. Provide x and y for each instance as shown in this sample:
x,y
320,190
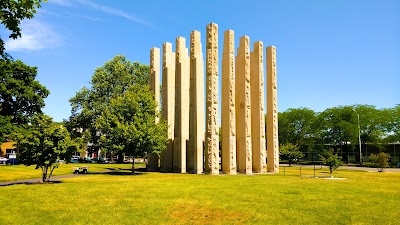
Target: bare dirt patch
x,y
193,213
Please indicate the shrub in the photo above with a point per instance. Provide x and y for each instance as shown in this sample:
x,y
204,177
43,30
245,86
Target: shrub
x,y
290,152
333,161
380,161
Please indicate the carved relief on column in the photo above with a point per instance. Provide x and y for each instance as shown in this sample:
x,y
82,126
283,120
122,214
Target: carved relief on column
x,y
196,114
228,115
243,107
257,108
212,139
182,78
272,112
168,104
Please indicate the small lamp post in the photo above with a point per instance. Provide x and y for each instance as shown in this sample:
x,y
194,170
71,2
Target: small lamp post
x,y
359,134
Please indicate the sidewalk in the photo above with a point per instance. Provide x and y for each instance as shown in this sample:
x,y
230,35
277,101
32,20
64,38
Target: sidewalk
x,y
52,179
369,169
38,180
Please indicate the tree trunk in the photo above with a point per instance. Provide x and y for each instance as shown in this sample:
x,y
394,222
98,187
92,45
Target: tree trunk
x,y
120,158
112,157
44,174
51,171
133,165
330,170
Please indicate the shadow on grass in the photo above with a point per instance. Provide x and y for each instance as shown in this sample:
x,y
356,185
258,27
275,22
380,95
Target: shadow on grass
x,y
29,183
122,172
111,171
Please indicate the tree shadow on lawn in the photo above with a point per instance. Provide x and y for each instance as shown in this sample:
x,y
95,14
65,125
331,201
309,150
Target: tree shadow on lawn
x,y
29,183
122,172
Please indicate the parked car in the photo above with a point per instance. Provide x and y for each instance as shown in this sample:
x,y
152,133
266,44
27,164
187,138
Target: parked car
x,y
85,160
102,160
13,161
95,160
74,160
3,161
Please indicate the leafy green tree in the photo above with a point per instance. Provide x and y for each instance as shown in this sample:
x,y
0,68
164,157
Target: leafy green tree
x,y
108,81
128,124
102,110
339,127
21,96
392,124
6,128
12,12
43,145
290,152
331,160
298,126
372,122
380,161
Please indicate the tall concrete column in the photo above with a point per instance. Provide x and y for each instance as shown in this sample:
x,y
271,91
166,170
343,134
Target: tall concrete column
x,y
182,78
155,76
168,104
228,114
272,113
257,108
155,89
212,139
243,107
196,114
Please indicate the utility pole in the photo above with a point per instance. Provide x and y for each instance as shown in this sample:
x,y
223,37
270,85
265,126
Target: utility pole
x,y
359,134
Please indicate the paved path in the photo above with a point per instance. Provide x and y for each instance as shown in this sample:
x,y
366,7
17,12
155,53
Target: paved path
x,y
53,178
38,180
369,169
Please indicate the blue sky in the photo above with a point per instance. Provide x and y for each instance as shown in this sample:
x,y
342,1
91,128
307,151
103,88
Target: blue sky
x,y
329,53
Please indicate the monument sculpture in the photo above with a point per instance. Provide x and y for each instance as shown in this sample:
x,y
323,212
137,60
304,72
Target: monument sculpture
x,y
243,107
257,108
196,112
228,115
168,104
272,113
155,89
182,78
212,139
189,91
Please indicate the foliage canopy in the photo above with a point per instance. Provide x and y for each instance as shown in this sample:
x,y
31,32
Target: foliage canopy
x,y
12,12
43,145
21,96
118,112
380,161
290,152
330,159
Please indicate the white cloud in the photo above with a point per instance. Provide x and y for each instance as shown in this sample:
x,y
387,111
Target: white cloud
x,y
112,11
60,2
100,7
35,35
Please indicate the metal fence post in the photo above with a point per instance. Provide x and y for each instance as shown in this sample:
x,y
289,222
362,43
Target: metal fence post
x,y
300,170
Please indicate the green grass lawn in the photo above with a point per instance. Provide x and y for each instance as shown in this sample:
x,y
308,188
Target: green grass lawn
x,y
157,198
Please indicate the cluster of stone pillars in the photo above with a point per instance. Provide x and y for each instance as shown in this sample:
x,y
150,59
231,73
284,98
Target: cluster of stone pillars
x,y
194,142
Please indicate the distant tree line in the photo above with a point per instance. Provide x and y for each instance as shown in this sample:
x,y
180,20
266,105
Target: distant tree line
x,y
338,128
